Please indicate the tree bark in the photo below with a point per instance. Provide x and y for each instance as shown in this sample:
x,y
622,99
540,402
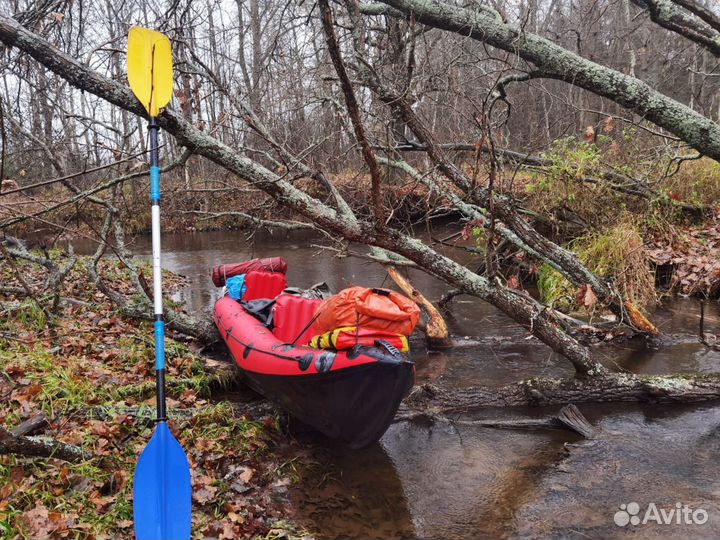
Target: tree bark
x,y
437,332
700,11
31,425
33,446
666,14
569,417
609,387
203,329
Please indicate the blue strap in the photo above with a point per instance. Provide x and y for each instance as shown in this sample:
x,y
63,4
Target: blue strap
x,y
155,184
159,345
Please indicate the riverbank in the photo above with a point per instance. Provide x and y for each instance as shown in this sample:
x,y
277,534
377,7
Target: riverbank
x,y
425,479
199,205
85,376
662,243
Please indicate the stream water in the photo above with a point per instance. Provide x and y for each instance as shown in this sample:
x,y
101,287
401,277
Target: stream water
x,y
443,480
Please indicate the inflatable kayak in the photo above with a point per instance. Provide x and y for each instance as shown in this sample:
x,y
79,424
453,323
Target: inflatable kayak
x,y
348,395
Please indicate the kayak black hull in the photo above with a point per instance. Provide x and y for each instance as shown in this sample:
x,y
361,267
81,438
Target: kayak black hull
x,y
354,406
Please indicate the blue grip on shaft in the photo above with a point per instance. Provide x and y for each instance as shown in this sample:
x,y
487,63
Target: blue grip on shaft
x,y
155,184
159,345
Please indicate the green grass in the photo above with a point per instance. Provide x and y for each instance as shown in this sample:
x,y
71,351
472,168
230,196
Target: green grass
x,y
616,253
92,373
31,315
554,288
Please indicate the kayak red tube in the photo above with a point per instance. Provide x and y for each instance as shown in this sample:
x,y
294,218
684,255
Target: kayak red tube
x,y
351,396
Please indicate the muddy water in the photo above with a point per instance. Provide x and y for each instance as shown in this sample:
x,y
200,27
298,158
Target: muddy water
x,y
444,480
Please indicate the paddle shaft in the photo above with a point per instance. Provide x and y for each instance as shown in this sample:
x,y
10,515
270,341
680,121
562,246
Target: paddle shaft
x,y
157,271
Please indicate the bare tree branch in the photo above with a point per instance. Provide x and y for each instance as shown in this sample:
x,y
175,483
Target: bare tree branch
x,y
559,63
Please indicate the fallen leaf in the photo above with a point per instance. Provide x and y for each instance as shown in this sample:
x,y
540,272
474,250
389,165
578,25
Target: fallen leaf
x,y
37,522
102,503
235,517
608,124
229,531
585,297
514,283
203,492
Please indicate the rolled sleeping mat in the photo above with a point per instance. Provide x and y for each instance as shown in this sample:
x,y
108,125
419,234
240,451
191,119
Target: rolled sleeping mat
x,y
221,273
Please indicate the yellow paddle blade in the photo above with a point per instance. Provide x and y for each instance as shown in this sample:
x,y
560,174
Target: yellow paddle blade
x,y
150,70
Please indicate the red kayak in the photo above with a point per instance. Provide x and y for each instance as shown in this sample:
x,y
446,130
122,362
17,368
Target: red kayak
x,y
350,395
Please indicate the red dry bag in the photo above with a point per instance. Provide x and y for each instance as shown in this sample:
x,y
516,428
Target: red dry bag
x,y
220,274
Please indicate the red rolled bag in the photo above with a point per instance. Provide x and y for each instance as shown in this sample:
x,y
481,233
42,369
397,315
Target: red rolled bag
x,y
221,273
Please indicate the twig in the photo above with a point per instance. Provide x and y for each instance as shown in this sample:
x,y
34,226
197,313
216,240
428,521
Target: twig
x,y
268,223
87,193
569,418
35,446
73,175
446,298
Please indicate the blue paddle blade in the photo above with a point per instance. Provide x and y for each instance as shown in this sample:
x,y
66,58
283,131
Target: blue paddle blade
x,y
162,494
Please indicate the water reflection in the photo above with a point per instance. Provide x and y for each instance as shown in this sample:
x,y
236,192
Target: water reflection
x,y
461,482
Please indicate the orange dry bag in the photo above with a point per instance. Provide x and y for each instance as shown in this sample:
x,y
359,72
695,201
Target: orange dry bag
x,y
377,309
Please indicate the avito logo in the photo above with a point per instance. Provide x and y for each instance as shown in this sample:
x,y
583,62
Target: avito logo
x,y
680,514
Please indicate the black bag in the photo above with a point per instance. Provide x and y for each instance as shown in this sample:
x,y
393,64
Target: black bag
x,y
262,310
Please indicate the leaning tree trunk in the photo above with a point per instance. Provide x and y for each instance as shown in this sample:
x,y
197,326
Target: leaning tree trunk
x,y
537,318
504,210
556,62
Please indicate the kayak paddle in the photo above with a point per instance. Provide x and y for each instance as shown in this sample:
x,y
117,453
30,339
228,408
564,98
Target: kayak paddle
x,y
162,494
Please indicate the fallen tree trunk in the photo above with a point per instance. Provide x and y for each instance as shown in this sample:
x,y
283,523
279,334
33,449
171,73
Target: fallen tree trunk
x,y
569,418
430,401
203,329
436,330
254,409
608,387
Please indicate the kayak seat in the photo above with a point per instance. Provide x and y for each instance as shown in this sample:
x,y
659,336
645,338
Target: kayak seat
x,y
263,285
292,315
